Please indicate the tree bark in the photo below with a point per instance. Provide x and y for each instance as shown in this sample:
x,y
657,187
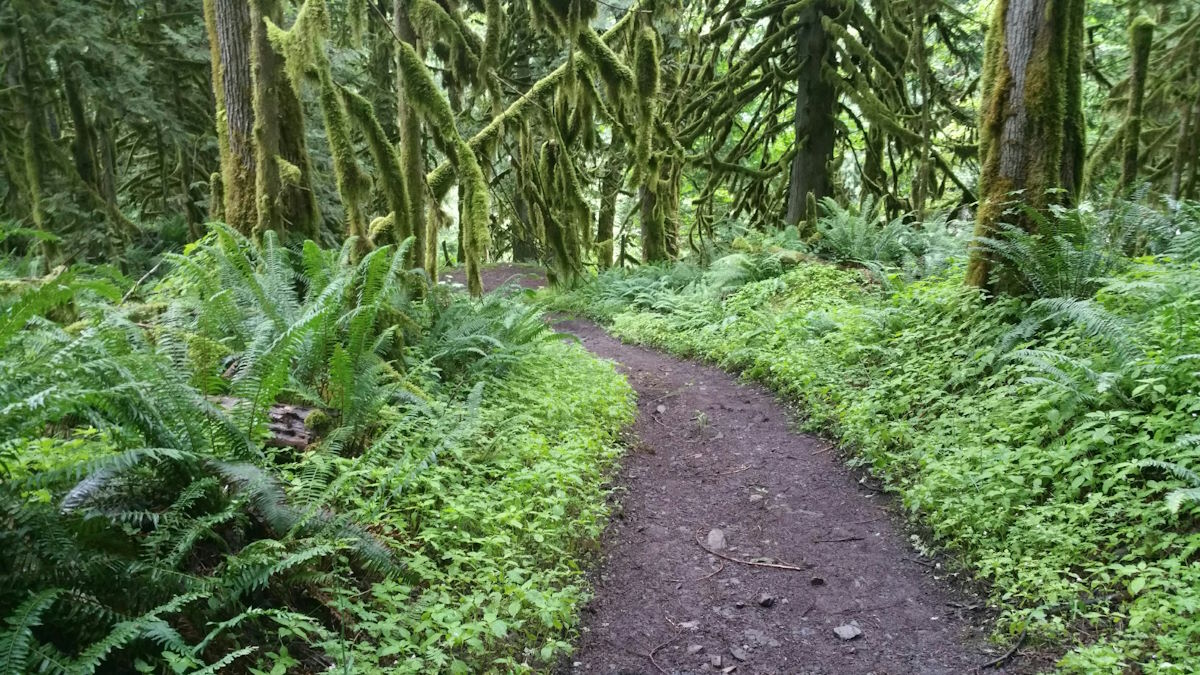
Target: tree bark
x,y
1141,33
610,187
814,120
264,74
229,38
1024,142
654,240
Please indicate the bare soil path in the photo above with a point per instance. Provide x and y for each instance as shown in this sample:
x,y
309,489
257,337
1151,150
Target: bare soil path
x,y
740,545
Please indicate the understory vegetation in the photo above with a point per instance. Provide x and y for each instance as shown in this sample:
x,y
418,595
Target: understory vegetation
x,y
1047,442
286,461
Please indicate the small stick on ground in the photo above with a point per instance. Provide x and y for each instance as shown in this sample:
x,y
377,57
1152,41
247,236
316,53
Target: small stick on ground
x,y
868,520
655,651
777,566
997,662
836,541
737,470
710,575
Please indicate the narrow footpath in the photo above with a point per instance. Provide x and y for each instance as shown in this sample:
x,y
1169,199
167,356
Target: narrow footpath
x,y
739,545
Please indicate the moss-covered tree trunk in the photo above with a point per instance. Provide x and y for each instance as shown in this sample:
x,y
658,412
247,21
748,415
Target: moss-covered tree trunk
x,y
33,135
1141,33
1185,152
654,236
412,155
610,187
265,76
229,38
1024,145
814,122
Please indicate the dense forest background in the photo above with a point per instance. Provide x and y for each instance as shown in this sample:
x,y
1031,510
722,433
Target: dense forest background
x,y
246,427
597,133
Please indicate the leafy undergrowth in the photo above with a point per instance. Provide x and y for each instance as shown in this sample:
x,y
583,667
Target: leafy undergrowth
x,y
1045,446
435,518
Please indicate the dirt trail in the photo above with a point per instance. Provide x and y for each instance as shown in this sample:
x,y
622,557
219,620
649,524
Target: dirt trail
x,y
715,466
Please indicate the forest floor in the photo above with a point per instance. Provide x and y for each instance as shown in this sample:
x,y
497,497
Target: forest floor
x,y
740,545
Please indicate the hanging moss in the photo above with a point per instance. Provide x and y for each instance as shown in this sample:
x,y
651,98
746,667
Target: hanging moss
x,y
441,178
439,27
289,174
303,50
389,177
381,228
612,69
352,183
564,18
303,45
474,214
493,39
645,58
216,197
356,19
424,95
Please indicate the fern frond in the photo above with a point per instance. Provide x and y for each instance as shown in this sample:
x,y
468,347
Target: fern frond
x,y
17,641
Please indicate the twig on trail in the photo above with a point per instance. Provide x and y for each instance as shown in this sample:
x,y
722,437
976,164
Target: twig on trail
x,y
740,469
681,582
868,520
665,396
995,663
821,452
777,566
836,541
655,651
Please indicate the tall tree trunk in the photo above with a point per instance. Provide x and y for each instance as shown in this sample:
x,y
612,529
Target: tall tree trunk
x,y
654,238
1074,152
1188,116
1023,130
83,146
264,74
610,187
33,136
814,121
412,155
1141,33
228,23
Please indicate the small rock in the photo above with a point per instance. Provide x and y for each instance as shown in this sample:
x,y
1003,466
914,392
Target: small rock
x,y
756,498
766,600
714,661
716,540
848,631
661,409
694,649
739,604
690,625
739,653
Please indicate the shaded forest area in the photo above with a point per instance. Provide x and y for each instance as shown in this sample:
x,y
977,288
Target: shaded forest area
x,y
246,429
